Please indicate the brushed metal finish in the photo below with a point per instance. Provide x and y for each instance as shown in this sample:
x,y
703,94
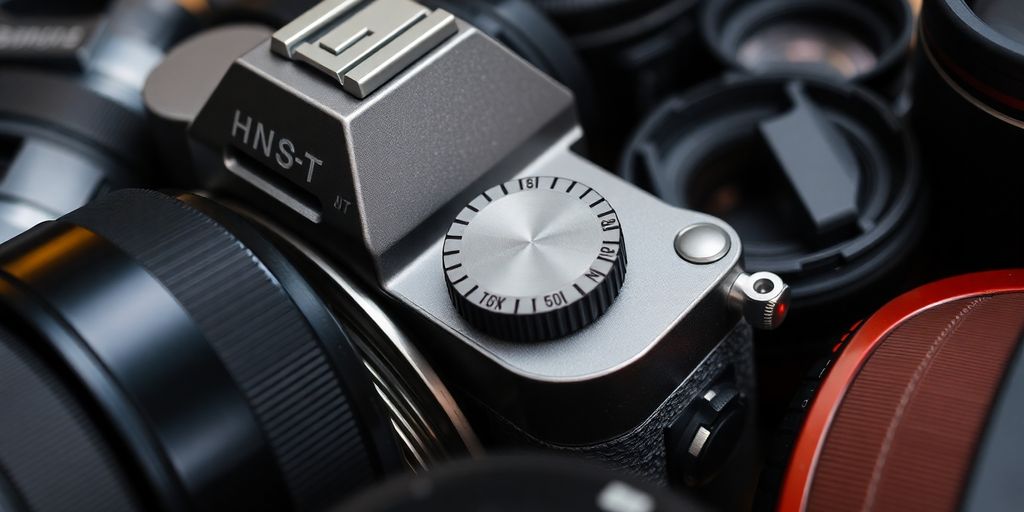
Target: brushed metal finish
x,y
535,258
288,38
532,243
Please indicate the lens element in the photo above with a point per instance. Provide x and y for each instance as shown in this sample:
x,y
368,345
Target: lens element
x,y
806,47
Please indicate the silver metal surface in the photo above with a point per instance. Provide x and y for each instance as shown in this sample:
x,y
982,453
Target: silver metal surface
x,y
698,442
375,169
288,38
530,240
367,49
661,288
531,244
762,297
702,243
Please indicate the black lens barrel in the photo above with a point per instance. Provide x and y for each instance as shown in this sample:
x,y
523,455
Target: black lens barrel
x,y
984,61
968,112
227,382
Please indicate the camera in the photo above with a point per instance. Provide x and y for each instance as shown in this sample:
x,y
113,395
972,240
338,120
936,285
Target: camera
x,y
513,251
381,261
386,261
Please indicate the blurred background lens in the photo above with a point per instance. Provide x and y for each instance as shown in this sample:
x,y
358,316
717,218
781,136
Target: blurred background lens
x,y
1006,16
861,41
805,47
71,116
969,113
164,353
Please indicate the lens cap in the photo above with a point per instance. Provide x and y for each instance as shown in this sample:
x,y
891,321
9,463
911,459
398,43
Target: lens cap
x,y
820,180
866,41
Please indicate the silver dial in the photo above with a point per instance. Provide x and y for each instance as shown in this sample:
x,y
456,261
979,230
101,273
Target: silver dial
x,y
535,258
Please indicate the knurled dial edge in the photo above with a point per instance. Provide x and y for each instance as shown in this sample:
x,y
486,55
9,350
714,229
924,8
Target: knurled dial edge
x,y
535,258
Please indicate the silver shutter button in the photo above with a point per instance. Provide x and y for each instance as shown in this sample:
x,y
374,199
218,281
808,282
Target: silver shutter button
x,y
702,243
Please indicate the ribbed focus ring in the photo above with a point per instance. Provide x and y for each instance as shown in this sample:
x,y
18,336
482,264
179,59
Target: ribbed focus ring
x,y
260,335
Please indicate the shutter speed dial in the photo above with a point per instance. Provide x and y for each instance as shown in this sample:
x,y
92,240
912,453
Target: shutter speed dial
x,y
535,258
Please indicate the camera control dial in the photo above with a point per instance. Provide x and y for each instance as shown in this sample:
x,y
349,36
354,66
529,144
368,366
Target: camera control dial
x,y
535,258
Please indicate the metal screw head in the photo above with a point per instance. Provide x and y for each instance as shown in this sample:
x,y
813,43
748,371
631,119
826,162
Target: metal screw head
x,y
702,243
763,298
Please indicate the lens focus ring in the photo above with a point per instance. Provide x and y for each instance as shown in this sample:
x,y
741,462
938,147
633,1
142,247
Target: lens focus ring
x,y
261,337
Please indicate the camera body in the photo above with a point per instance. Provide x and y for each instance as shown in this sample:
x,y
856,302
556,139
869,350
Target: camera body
x,y
369,151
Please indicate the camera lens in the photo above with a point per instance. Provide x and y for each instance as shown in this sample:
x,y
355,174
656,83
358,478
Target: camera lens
x,y
520,482
187,362
799,46
821,181
969,111
865,42
921,408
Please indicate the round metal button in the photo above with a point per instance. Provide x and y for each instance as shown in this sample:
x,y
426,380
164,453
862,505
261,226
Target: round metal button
x,y
702,243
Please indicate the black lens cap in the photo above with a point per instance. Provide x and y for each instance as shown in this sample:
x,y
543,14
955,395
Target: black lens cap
x,y
534,482
821,181
865,41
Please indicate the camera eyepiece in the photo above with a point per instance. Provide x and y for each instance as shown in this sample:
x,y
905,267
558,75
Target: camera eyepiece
x,y
210,368
861,41
821,181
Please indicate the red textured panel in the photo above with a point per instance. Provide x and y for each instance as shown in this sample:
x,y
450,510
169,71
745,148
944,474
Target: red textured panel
x,y
904,435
